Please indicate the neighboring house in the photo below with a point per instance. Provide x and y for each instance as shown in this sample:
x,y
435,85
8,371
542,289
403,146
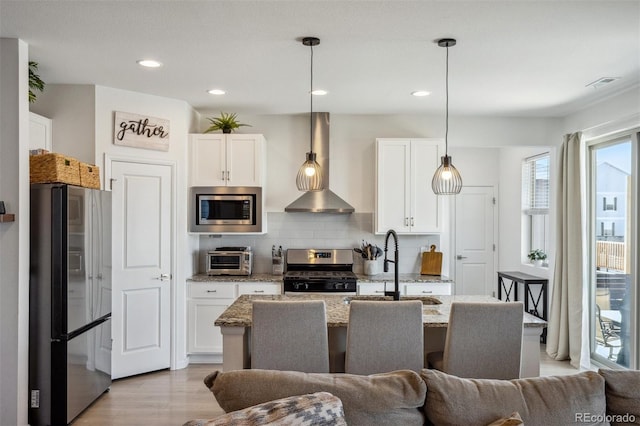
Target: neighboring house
x,y
611,202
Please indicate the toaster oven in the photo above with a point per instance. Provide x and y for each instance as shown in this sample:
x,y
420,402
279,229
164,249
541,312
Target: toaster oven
x,y
229,261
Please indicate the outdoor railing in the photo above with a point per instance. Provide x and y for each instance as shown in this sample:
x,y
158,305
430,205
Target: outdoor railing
x,y
610,256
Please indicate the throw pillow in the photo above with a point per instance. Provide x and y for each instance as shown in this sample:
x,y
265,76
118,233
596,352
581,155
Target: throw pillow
x,y
513,420
387,398
622,388
544,401
317,409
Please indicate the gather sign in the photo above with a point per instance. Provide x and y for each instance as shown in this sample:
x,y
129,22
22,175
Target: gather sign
x,y
141,131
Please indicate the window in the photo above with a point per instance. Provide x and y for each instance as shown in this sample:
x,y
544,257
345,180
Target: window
x,y
612,205
613,246
535,202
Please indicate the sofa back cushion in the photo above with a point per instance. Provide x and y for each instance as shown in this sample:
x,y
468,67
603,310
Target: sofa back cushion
x,y
387,398
622,389
544,401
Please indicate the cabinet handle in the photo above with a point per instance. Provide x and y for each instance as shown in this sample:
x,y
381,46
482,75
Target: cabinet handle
x,y
228,175
223,175
411,221
379,291
406,221
258,291
460,257
427,291
212,291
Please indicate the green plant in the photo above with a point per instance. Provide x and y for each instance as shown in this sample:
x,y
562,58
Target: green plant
x,y
227,122
35,82
537,254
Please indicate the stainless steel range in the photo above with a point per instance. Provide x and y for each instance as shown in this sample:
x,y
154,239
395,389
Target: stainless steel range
x,y
320,271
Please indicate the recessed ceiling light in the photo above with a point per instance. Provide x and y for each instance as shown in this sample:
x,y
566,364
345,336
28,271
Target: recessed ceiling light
x,y
319,92
149,63
420,93
216,92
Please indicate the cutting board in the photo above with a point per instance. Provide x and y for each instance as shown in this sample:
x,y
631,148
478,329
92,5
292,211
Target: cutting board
x,y
431,262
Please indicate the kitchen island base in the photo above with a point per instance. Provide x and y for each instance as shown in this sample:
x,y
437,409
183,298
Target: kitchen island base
x,y
235,324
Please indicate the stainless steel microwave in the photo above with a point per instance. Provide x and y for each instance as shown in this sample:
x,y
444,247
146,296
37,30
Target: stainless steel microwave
x,y
222,209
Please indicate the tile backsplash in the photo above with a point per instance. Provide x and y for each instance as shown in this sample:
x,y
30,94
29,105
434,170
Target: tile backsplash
x,y
322,231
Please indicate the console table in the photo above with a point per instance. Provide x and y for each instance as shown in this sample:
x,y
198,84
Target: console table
x,y
538,302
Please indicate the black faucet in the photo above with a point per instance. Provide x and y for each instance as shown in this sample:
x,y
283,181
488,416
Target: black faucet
x,y
396,292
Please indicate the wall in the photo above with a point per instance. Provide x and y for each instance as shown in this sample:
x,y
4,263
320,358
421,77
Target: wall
x,y
182,121
73,126
14,236
474,144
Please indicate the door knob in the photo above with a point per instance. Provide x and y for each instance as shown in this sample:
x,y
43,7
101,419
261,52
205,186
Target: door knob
x,y
460,257
163,277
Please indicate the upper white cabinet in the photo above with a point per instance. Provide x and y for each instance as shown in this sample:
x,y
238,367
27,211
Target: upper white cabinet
x,y
227,160
405,201
40,135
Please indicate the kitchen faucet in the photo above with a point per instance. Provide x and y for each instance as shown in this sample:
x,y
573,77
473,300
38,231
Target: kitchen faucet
x,y
396,292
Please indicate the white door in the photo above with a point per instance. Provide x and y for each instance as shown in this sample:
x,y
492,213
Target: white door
x,y
475,250
142,218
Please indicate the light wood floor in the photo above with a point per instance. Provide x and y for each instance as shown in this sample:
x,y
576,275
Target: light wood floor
x,y
174,397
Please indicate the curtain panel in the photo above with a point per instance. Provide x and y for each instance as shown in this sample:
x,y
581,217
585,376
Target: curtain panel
x,y
568,328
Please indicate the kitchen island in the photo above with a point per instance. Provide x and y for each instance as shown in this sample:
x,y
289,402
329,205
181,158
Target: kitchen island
x,y
235,323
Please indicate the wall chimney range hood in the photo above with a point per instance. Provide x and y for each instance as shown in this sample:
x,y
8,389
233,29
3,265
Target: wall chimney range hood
x,y
324,201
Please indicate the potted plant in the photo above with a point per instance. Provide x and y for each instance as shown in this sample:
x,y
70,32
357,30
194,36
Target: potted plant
x,y
537,256
227,122
35,82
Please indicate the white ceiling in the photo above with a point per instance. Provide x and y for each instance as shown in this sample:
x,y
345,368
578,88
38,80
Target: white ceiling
x,y
513,58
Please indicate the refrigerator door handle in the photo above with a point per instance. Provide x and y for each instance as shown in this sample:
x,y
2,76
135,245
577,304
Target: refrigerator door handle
x,y
86,327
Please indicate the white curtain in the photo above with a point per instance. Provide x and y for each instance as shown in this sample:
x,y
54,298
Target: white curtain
x,y
568,328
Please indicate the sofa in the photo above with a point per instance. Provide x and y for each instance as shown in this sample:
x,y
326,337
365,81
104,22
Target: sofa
x,y
260,397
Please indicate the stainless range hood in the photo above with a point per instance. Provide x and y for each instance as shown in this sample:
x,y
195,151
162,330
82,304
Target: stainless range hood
x,y
325,201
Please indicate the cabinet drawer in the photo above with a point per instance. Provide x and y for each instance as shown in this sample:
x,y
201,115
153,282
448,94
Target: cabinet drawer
x,y
427,289
259,288
212,290
371,289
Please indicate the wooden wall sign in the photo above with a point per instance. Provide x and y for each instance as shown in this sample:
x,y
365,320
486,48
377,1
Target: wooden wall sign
x,y
141,131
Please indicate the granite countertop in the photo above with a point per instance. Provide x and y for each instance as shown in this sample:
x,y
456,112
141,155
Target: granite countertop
x,y
265,277
434,315
404,278
260,277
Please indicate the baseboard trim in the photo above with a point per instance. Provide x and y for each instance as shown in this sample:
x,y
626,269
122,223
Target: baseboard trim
x,y
205,358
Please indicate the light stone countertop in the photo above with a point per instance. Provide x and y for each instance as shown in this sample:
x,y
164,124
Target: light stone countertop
x,y
265,277
434,315
237,278
404,278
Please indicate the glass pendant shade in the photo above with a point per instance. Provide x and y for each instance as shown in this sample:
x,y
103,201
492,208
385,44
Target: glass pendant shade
x,y
310,175
446,180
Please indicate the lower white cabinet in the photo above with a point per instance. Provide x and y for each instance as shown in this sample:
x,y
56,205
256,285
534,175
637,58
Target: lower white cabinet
x,y
426,289
371,289
377,288
207,301
259,288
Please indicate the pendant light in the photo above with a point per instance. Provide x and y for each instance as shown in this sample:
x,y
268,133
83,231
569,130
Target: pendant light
x,y
446,180
310,174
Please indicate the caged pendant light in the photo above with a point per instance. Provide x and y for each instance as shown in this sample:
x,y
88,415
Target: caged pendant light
x,y
446,180
310,174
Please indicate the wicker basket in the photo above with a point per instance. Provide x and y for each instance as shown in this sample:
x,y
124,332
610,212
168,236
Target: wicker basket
x,y
89,176
54,168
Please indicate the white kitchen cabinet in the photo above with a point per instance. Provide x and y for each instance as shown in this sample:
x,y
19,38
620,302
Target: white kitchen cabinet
x,y
227,159
405,201
40,132
259,288
426,289
206,302
371,288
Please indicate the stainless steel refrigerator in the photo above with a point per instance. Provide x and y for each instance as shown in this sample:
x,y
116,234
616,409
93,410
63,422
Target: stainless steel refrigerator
x,y
69,301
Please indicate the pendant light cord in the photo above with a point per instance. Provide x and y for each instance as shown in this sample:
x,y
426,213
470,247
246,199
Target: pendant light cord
x,y
311,108
446,120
